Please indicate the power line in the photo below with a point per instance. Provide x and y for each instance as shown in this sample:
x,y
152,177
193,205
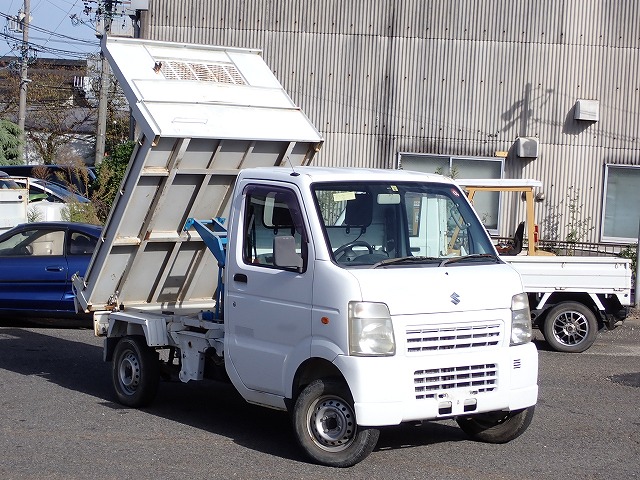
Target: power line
x,y
37,47
43,47
60,23
49,32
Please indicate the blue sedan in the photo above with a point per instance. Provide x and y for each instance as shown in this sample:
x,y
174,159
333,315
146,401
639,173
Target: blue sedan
x,y
37,261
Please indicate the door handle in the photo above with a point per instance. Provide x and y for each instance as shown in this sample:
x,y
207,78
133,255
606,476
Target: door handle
x,y
54,268
240,277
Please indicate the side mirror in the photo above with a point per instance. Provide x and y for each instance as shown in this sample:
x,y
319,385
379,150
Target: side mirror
x,y
284,252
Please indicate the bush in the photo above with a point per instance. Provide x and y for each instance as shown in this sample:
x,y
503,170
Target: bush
x,y
631,252
9,143
102,192
75,211
110,173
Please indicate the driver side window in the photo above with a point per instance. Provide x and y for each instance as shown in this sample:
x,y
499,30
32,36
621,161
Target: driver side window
x,y
271,212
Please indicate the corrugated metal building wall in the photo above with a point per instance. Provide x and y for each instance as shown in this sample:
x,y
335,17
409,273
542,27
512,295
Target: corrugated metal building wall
x,y
378,77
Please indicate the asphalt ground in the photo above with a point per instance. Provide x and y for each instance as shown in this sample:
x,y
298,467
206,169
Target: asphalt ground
x,y
59,420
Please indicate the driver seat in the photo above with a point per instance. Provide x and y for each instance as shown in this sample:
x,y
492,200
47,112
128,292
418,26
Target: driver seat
x,y
516,244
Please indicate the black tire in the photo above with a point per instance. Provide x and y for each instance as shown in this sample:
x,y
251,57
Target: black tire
x,y
570,327
326,428
135,372
497,427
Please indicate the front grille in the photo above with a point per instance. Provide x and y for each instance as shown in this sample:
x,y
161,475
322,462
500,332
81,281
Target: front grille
x,y
449,337
479,378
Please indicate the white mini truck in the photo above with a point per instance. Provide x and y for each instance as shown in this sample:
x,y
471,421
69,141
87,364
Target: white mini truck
x,y
571,296
331,293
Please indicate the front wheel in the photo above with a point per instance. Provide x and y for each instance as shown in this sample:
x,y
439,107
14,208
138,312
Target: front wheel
x,y
570,327
497,427
325,425
135,372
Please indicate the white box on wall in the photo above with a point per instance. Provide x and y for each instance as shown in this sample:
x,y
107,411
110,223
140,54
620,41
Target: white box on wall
x,y
588,110
527,147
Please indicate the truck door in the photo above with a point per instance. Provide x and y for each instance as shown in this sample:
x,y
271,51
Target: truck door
x,y
268,308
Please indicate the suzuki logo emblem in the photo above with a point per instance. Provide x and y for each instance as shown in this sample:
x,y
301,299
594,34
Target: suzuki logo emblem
x,y
455,298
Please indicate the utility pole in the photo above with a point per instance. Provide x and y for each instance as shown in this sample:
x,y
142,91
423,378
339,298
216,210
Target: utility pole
x,y
101,131
24,80
104,89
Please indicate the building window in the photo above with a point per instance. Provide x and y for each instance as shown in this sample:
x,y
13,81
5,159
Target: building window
x,y
486,204
620,211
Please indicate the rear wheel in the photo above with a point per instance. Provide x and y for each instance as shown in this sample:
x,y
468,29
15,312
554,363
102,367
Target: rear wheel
x,y
497,427
325,425
135,372
570,327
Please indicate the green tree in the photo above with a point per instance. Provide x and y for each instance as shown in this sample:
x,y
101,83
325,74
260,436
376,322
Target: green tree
x,y
9,143
103,190
110,173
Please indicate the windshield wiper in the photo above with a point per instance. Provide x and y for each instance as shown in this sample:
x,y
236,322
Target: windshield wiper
x,y
475,256
401,260
441,262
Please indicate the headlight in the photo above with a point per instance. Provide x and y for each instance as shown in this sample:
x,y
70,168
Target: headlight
x,y
370,330
520,320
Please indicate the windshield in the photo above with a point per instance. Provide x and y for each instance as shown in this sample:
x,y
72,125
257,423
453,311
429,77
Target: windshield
x,y
6,182
387,224
44,190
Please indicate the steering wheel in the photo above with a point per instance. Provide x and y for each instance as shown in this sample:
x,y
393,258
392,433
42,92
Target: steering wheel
x,y
344,249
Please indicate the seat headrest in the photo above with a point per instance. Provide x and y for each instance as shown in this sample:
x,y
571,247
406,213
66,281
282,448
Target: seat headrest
x,y
359,211
79,246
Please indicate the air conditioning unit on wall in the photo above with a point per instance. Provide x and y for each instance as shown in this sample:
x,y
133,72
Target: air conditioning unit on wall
x,y
527,147
588,110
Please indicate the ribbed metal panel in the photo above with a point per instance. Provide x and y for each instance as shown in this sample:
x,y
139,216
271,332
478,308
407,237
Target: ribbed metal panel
x,y
457,78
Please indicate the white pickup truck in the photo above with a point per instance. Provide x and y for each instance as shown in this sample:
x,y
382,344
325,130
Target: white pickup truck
x,y
18,205
571,297
331,293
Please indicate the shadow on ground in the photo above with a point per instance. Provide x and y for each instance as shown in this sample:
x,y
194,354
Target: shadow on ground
x,y
211,406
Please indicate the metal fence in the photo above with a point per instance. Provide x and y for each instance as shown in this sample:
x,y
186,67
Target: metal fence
x,y
584,249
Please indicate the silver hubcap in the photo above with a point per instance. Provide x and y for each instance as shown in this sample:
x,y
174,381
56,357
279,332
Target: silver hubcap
x,y
129,373
570,328
332,423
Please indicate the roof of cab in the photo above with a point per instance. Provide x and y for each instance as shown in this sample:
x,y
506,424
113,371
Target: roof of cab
x,y
324,174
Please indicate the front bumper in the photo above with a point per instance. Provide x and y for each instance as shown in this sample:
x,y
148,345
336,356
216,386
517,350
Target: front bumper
x,y
392,390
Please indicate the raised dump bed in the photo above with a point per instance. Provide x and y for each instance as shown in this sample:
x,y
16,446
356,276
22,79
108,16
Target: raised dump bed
x,y
203,113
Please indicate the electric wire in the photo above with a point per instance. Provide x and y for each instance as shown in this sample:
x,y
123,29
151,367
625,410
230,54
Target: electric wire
x,y
53,37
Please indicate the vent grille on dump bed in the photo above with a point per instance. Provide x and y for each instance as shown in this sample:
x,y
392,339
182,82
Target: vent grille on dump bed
x,y
480,378
451,337
203,72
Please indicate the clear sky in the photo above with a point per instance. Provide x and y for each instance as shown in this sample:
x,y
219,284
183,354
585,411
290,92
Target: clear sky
x,y
52,33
